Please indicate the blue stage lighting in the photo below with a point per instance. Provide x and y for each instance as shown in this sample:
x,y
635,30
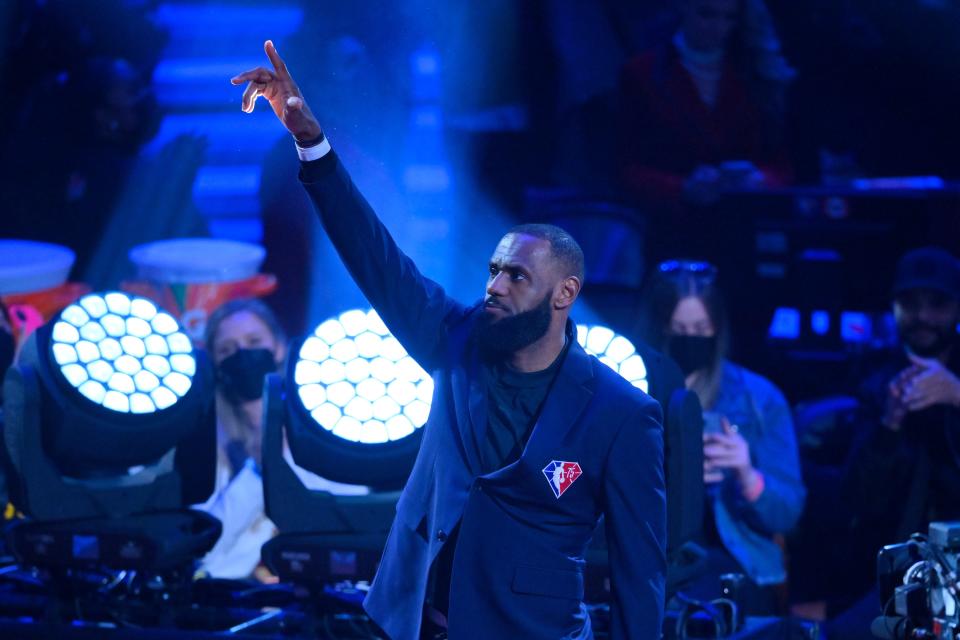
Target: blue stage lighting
x,y
119,351
358,383
616,352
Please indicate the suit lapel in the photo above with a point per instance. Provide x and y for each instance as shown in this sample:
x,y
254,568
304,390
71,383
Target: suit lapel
x,y
477,402
470,402
567,399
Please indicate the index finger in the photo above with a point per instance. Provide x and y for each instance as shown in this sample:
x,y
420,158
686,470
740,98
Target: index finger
x,y
275,59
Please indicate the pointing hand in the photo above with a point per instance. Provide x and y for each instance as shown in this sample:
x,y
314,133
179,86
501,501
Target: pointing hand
x,y
282,93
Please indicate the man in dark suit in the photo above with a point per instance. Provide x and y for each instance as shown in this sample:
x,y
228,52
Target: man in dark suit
x,y
529,440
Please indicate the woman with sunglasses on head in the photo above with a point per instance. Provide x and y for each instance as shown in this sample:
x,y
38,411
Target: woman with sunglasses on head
x,y
751,467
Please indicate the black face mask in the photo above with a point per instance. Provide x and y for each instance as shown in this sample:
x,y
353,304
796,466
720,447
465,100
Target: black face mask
x,y
692,353
240,376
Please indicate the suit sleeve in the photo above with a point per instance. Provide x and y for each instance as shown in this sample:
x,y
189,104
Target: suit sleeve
x,y
415,309
636,526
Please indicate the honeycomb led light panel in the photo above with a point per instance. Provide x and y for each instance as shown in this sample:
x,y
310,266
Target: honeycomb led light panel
x,y
358,382
121,352
616,352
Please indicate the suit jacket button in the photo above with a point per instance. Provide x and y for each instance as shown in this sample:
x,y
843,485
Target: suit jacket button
x,y
441,536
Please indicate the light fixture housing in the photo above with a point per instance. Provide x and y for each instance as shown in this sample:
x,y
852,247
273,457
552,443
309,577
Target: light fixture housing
x,y
109,411
323,537
356,402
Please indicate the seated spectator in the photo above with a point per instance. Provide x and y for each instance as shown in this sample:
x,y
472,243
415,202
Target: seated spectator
x,y
751,466
904,470
702,113
246,343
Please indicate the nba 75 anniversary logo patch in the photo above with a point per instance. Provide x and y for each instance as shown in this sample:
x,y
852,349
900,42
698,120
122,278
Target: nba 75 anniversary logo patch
x,y
560,475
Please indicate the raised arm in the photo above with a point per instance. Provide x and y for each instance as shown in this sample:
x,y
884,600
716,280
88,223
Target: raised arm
x,y
414,308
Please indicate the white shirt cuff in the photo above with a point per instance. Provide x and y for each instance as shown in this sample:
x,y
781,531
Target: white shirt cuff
x,y
315,152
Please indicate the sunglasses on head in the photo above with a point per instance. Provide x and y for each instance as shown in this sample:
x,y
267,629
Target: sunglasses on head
x,y
695,268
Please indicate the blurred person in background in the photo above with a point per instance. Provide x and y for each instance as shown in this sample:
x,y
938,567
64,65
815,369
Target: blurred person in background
x,y
903,471
97,116
85,107
76,164
245,342
703,113
751,463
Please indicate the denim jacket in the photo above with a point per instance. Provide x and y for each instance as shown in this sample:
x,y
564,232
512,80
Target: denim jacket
x,y
763,417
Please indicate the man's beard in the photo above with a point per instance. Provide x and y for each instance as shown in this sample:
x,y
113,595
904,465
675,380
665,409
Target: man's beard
x,y
500,338
944,338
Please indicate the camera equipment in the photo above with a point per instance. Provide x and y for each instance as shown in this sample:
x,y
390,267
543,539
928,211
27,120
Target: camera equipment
x,y
918,583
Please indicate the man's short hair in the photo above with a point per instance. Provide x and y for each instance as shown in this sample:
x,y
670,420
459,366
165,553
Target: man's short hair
x,y
562,246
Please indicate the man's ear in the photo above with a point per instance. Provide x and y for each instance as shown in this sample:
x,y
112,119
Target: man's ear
x,y
566,292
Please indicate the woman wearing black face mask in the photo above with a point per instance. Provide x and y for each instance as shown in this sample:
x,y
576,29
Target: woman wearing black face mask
x,y
751,464
246,343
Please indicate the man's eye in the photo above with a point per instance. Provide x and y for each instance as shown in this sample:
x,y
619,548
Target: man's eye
x,y
493,271
516,275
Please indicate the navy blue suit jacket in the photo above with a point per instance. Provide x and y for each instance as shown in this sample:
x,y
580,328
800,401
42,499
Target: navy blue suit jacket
x,y
518,564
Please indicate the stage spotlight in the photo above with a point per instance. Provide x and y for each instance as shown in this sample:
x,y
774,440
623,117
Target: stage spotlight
x,y
616,352
356,402
123,353
353,406
358,383
109,412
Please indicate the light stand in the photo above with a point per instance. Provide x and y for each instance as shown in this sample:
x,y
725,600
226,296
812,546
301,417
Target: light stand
x,y
324,538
